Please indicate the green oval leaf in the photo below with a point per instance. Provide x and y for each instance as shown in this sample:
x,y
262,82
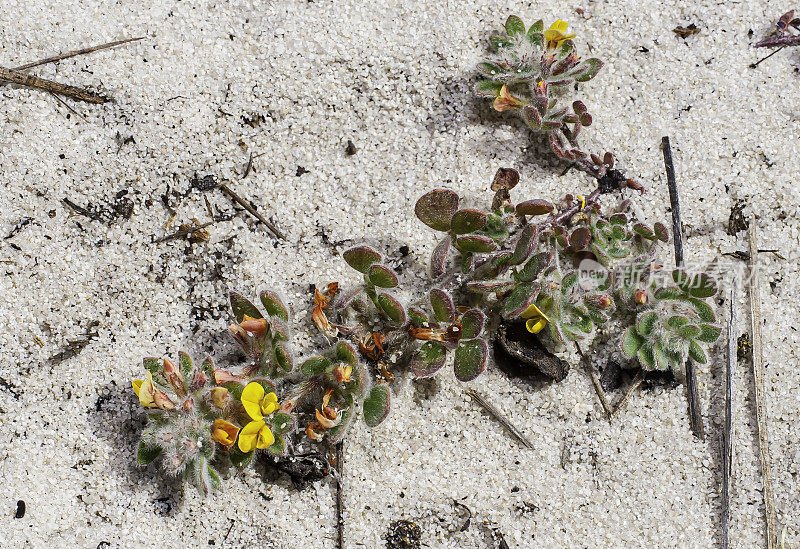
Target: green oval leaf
x,y
315,366
437,208
522,297
429,359
361,258
470,359
346,353
631,342
282,423
242,306
535,265
376,405
273,305
525,244
467,221
472,323
514,26
475,244
382,276
442,304
647,321
392,308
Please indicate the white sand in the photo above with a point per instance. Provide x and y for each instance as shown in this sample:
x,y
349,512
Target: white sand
x,y
395,78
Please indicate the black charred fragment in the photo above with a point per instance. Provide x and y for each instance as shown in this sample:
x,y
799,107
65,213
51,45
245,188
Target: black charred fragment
x,y
519,353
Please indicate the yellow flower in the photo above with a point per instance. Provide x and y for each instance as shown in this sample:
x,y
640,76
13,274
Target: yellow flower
x,y
149,397
557,33
257,434
224,432
145,391
256,404
536,319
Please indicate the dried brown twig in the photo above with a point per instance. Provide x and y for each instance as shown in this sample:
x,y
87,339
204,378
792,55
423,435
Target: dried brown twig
x,y
695,414
496,414
760,395
17,76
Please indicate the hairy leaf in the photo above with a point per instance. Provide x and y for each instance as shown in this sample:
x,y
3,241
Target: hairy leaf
x,y
429,359
361,258
376,405
437,208
470,359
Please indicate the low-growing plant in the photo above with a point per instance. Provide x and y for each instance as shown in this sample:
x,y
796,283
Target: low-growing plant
x,y
566,270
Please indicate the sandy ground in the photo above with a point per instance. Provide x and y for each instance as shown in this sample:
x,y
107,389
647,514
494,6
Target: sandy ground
x,y
292,82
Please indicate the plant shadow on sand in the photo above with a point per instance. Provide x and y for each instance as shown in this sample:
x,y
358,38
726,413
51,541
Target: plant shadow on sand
x,y
118,419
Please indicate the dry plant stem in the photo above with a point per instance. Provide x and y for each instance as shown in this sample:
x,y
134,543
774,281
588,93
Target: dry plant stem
x,y
496,414
601,394
760,396
727,433
339,496
783,41
757,63
15,77
637,381
243,203
184,232
75,53
695,414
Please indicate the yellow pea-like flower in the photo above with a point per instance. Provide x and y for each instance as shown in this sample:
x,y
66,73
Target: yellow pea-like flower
x,y
256,403
254,435
557,33
536,319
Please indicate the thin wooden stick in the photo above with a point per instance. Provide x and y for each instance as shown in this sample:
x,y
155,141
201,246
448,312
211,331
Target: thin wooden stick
x,y
239,200
598,388
30,81
75,53
637,381
695,414
728,428
496,414
760,396
339,495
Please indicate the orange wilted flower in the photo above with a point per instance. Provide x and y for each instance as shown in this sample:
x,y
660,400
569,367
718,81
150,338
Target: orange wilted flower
x,y
327,418
321,302
372,346
451,334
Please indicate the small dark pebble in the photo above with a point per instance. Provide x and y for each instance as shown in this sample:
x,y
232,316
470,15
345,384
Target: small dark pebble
x,y
403,534
611,378
300,171
351,148
20,509
404,250
205,183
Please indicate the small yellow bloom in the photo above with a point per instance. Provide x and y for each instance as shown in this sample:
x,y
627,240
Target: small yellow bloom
x,y
507,102
256,404
536,319
254,435
557,33
224,432
145,391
